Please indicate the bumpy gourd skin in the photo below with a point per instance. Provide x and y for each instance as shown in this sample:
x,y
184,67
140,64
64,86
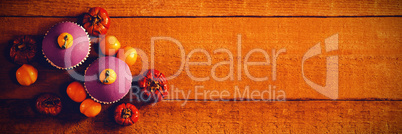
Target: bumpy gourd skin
x,y
23,49
154,86
48,104
96,21
126,114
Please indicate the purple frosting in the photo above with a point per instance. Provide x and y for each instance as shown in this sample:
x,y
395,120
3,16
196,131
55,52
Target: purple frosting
x,y
70,57
108,93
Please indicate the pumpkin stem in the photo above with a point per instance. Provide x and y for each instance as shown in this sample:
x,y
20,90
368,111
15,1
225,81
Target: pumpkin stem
x,y
153,84
96,19
21,46
126,113
50,102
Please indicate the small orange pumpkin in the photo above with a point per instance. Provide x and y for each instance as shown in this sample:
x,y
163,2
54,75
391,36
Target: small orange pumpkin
x,y
26,75
128,55
76,92
90,108
109,45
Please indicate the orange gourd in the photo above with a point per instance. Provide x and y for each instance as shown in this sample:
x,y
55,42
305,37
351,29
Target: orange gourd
x,y
128,55
109,45
90,108
26,75
76,92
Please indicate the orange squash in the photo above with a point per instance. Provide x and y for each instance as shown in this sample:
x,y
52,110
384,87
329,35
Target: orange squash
x,y
90,108
26,75
128,55
76,92
109,45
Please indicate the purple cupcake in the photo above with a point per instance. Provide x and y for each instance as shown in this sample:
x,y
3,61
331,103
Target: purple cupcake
x,y
108,79
66,45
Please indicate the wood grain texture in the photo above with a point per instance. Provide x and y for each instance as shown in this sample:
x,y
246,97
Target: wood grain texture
x,y
133,8
370,65
215,117
369,55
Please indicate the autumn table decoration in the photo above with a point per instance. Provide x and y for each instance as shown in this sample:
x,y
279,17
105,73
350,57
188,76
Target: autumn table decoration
x,y
26,75
48,104
108,79
153,86
23,49
96,21
126,114
66,45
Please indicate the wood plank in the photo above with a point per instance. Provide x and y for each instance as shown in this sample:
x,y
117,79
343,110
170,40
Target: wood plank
x,y
369,54
215,117
133,8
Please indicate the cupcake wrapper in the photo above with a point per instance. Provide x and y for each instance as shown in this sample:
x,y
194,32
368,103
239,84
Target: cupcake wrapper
x,y
82,61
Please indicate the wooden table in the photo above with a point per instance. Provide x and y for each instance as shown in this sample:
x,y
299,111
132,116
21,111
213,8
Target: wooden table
x,y
229,34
